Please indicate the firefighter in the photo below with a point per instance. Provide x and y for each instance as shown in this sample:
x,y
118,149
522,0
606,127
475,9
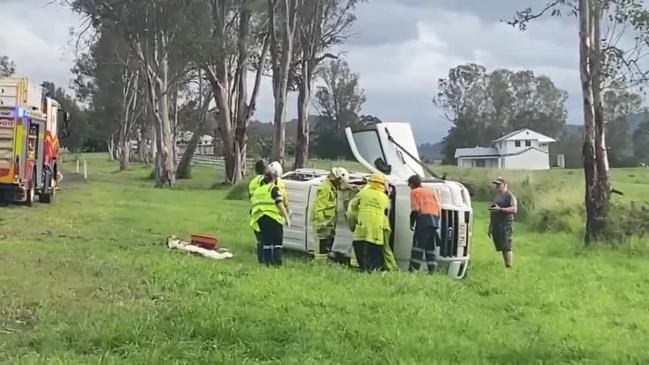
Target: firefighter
x,y
371,207
325,213
351,216
425,216
260,169
268,217
277,170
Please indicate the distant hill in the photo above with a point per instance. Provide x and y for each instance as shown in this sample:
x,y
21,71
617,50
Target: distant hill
x,y
427,151
431,151
265,130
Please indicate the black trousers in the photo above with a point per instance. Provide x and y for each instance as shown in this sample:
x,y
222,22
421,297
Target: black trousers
x,y
259,247
271,234
369,256
424,242
325,245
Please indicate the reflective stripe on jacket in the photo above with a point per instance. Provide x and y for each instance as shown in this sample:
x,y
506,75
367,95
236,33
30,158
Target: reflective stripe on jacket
x,y
282,189
323,215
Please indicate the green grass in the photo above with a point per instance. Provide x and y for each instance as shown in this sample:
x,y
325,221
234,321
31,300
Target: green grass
x,y
88,281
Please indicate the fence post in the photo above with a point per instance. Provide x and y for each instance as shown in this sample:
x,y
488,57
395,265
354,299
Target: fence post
x,y
77,164
85,169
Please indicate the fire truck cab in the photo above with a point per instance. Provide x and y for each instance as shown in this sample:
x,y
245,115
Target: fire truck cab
x,y
29,146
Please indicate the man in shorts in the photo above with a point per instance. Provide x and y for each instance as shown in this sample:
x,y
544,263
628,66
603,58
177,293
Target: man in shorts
x,y
503,209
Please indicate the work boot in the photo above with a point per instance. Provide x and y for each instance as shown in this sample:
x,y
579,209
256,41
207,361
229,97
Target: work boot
x,y
320,258
340,258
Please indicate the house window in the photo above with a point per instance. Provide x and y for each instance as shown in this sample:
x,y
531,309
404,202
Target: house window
x,y
528,143
517,143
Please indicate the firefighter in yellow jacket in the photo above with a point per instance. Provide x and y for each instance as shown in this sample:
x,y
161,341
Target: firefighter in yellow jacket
x,y
325,213
370,209
276,168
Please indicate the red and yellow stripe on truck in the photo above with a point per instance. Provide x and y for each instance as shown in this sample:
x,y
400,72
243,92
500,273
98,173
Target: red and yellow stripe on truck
x,y
11,144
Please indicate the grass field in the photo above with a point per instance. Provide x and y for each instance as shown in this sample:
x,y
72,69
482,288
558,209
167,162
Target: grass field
x,y
87,281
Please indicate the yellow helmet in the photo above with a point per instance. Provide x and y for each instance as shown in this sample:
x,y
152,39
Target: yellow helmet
x,y
377,179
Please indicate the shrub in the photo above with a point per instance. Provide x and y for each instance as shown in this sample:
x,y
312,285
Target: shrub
x,y
626,221
526,203
566,219
238,191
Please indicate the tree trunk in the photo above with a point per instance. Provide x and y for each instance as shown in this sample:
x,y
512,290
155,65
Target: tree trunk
x,y
594,151
303,102
279,135
174,130
280,85
219,84
124,147
184,170
153,143
124,155
109,146
165,172
141,146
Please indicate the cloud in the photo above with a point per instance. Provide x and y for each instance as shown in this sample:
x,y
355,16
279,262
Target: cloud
x,y
38,40
400,77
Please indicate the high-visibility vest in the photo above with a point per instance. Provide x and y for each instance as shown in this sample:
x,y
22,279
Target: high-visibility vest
x,y
425,201
254,184
370,206
263,204
282,189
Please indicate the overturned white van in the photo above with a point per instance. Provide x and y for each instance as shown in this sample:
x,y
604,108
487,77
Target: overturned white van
x,y
388,148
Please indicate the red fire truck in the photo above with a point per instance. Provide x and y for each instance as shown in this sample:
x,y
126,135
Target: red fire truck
x,y
29,146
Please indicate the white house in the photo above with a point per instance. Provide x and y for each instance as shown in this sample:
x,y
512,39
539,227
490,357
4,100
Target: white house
x,y
524,149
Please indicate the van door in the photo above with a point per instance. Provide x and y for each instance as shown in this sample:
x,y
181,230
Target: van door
x,y
386,148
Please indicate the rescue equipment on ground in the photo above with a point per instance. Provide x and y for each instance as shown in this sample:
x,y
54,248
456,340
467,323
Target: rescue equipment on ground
x,y
206,241
174,243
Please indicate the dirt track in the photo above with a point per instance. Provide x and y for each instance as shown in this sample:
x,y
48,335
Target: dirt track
x,y
70,177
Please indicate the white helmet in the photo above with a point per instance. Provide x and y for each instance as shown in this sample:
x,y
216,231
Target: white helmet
x,y
276,168
341,174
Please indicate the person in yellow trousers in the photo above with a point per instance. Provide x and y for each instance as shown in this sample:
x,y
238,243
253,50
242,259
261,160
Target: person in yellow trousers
x,y
268,217
370,208
325,213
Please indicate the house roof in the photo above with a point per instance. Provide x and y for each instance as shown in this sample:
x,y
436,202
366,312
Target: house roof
x,y
525,134
476,152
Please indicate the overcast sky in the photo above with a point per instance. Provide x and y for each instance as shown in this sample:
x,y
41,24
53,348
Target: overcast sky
x,y
399,47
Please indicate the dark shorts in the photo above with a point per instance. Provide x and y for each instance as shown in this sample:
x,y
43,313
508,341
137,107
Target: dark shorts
x,y
502,237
